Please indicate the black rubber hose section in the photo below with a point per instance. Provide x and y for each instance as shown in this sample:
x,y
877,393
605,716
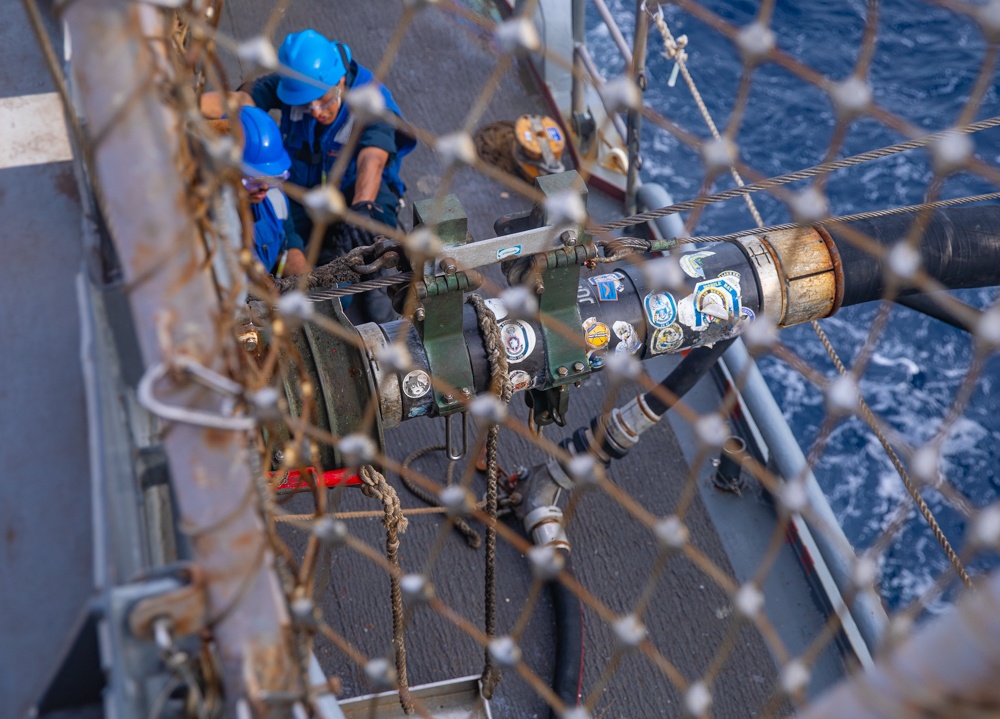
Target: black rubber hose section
x,y
567,677
691,369
960,248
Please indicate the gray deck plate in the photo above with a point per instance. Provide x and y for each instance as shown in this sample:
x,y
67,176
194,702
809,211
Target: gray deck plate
x,y
45,519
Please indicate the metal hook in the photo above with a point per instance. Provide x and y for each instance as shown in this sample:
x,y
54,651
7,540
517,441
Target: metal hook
x,y
448,446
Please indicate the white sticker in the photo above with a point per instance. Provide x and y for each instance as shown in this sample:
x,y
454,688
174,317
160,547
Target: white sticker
x,y
691,263
518,340
666,339
520,380
629,339
497,307
746,317
661,309
416,384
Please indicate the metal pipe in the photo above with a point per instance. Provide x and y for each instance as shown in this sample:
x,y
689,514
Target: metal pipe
x,y
173,296
787,456
577,96
638,72
599,81
616,33
948,667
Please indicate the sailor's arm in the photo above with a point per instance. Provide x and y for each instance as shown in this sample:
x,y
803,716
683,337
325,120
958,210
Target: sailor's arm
x,y
371,164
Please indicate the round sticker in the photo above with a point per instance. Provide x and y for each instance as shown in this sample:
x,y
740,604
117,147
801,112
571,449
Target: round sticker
x,y
520,379
596,359
416,384
518,340
666,339
661,309
629,341
597,333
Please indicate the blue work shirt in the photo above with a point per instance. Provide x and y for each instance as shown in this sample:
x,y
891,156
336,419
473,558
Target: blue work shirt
x,y
314,147
273,229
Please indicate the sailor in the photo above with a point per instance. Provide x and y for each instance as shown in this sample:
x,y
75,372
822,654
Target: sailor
x,y
265,166
316,124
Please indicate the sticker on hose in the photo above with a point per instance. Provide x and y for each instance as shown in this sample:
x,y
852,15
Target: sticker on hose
x,y
746,317
518,340
519,380
597,333
416,384
666,339
691,263
661,309
628,340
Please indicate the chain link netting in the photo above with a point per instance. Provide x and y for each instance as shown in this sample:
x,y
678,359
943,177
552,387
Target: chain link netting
x,y
640,658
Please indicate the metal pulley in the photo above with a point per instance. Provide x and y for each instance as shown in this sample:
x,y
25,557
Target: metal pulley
x,y
538,146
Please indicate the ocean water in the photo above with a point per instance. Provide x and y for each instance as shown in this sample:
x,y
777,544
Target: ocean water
x,y
924,68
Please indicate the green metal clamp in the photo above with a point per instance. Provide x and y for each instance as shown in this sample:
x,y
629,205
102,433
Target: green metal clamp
x,y
441,325
566,359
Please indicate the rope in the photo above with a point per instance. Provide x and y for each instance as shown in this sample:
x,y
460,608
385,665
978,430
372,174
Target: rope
x,y
500,385
395,523
676,52
779,180
472,537
911,489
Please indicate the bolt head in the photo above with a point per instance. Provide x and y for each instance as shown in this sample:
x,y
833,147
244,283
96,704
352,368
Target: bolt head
x,y
578,367
420,313
562,371
449,398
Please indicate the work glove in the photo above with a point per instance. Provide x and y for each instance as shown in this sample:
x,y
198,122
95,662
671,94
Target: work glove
x,y
353,236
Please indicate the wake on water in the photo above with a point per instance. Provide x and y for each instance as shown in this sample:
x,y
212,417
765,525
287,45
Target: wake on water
x,y
924,68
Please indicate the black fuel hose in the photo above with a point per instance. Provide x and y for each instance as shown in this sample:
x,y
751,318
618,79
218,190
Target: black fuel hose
x,y
686,374
567,676
960,247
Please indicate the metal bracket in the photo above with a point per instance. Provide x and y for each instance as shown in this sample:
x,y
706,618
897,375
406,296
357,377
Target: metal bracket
x,y
441,328
566,361
176,593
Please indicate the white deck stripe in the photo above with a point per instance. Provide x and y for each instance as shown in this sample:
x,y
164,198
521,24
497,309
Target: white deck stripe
x,y
33,131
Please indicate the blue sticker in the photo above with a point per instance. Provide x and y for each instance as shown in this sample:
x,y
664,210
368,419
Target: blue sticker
x,y
607,291
661,309
505,252
554,134
718,294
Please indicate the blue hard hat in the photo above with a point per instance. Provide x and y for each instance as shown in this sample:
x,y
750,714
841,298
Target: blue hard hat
x,y
263,152
312,55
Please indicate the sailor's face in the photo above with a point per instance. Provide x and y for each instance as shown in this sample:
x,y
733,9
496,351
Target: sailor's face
x,y
325,109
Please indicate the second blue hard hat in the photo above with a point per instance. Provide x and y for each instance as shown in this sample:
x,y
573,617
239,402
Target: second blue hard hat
x,y
264,154
312,55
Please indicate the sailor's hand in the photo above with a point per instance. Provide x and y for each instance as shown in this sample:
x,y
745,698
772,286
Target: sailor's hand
x,y
358,236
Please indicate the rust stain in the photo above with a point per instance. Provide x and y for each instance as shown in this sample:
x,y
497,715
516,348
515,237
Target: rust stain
x,y
218,438
65,183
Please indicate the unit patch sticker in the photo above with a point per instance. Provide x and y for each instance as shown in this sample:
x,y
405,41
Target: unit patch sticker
x,y
629,340
691,263
608,286
666,339
607,291
518,339
715,300
504,252
416,384
520,380
597,333
596,359
661,309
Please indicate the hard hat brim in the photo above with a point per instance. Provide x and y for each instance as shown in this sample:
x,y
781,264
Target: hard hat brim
x,y
296,92
267,169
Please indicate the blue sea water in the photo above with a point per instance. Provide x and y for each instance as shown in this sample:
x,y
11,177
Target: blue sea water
x,y
924,67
